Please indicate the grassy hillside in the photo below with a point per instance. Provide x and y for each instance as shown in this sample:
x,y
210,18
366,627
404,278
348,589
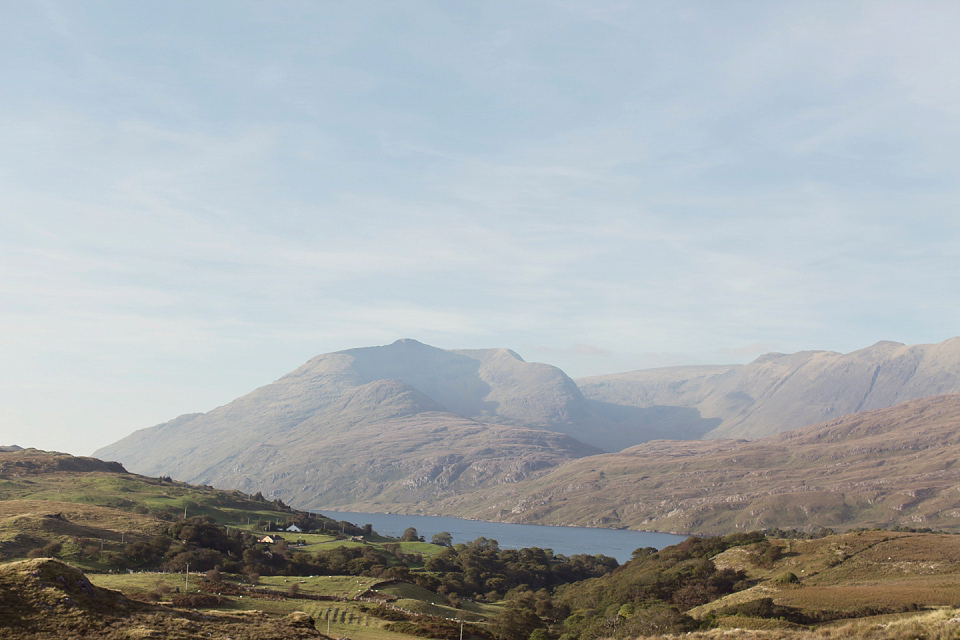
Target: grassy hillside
x,y
103,520
45,598
890,467
93,508
877,584
221,583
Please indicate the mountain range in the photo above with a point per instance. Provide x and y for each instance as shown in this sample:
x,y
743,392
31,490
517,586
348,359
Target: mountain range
x,y
408,427
777,392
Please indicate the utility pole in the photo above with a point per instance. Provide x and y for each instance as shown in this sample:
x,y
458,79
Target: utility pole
x,y
186,579
184,512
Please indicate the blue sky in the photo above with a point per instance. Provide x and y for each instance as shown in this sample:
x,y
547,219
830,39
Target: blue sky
x,y
195,198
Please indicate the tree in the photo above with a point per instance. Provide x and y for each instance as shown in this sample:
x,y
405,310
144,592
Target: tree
x,y
443,539
410,535
515,623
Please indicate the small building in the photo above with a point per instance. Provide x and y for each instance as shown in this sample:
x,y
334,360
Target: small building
x,y
270,539
294,528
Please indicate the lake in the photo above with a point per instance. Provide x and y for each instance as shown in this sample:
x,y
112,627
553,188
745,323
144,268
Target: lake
x,y
619,543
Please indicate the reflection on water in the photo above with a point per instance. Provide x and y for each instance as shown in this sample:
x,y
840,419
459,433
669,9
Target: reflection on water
x,y
619,543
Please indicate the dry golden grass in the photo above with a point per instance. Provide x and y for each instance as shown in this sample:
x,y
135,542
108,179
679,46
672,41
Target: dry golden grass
x,y
45,598
84,515
860,573
935,625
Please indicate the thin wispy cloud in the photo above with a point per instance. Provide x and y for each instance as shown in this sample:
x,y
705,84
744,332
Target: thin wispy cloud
x,y
196,199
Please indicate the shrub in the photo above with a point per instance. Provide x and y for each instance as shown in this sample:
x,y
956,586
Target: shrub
x,y
198,600
787,577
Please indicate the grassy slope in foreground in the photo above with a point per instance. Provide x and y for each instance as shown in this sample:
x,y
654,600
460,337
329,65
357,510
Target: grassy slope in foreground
x,y
888,467
864,584
855,575
52,498
45,598
48,497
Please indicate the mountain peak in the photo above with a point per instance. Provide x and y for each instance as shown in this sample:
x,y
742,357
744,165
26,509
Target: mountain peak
x,y
409,342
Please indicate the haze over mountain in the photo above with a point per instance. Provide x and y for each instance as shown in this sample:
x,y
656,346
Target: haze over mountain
x,y
777,392
410,427
399,423
403,391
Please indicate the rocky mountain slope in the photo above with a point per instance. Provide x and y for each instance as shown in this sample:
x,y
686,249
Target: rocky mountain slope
x,y
890,467
408,427
401,423
777,392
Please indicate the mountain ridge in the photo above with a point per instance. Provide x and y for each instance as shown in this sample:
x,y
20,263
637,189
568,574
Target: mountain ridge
x,y
351,426
776,392
408,426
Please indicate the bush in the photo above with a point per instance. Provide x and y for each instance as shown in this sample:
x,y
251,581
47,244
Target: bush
x,y
198,600
787,577
658,620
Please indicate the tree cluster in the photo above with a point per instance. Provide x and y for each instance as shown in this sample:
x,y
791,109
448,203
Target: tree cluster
x,y
649,594
481,570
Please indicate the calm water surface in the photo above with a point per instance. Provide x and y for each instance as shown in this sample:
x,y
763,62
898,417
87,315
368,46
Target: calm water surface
x,y
618,543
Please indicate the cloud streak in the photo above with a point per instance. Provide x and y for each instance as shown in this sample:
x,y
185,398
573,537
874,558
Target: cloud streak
x,y
196,200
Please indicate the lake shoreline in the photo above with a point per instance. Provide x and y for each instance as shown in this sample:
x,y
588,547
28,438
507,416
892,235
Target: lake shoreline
x,y
321,510
566,540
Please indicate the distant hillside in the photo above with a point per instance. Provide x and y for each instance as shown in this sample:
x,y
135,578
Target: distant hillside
x,y
404,423
407,426
777,392
889,467
381,443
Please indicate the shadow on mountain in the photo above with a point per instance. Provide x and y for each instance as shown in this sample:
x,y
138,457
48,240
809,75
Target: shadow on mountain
x,y
637,425
450,378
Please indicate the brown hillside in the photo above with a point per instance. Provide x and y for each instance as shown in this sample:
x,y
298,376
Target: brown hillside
x,y
17,461
895,466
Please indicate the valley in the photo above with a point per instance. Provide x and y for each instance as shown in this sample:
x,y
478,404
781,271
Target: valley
x,y
160,572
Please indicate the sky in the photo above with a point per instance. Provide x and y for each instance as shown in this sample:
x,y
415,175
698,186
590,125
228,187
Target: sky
x,y
198,197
